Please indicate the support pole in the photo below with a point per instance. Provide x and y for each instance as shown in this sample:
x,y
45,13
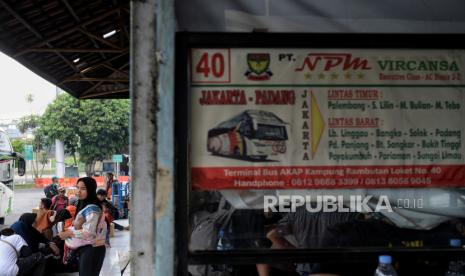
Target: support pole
x,y
143,136
152,151
165,236
60,158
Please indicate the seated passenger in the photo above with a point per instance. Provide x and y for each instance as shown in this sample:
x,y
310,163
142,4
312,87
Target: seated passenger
x,y
16,258
45,218
33,238
60,201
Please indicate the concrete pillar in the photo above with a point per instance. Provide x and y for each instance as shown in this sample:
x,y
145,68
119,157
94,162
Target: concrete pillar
x,y
60,158
152,137
143,136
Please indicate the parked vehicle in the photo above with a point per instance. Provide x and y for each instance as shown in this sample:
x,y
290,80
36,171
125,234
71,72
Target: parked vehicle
x,y
254,134
8,161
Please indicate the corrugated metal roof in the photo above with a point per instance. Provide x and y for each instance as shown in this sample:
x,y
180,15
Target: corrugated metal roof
x,y
63,41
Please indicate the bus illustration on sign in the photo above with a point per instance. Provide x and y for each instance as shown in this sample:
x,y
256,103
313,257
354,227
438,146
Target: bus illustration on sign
x,y
252,134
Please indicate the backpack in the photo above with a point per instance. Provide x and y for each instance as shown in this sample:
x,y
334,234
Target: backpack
x,y
60,203
49,191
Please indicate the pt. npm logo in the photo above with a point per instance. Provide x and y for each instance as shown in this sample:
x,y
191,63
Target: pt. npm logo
x,y
327,203
329,61
259,67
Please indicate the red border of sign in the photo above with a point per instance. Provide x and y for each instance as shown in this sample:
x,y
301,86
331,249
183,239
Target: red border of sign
x,y
215,178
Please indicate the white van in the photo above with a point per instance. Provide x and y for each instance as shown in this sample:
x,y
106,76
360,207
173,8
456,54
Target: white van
x,y
8,160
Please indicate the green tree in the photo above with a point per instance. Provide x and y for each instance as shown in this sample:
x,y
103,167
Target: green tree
x,y
61,121
104,130
31,122
18,145
95,129
29,98
28,122
40,144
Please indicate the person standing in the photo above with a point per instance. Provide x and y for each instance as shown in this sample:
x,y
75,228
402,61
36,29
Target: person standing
x,y
89,209
51,190
109,184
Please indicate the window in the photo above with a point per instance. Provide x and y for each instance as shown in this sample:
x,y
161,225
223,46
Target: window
x,y
5,145
362,152
270,132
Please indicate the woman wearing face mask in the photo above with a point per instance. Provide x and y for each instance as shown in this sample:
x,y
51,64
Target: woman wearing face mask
x,y
88,227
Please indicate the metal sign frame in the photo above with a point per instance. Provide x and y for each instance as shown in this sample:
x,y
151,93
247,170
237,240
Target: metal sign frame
x,y
186,41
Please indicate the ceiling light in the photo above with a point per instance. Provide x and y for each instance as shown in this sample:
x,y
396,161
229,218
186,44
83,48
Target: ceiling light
x,y
110,33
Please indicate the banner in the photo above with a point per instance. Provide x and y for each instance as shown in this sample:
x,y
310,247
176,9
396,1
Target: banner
x,y
326,118
72,181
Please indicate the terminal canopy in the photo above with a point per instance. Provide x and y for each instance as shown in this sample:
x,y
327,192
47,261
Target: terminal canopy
x,y
83,46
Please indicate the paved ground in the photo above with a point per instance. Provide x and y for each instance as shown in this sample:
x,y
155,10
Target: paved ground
x,y
26,199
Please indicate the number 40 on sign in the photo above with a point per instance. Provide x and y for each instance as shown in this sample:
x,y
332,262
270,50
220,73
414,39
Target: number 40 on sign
x,y
210,66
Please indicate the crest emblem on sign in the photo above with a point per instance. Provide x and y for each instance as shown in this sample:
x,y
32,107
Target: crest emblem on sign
x,y
259,64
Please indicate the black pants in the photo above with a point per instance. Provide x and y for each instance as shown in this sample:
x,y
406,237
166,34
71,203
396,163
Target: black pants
x,y
91,260
33,265
118,227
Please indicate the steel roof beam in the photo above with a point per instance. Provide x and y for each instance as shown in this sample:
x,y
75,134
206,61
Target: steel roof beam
x,y
101,39
74,50
78,20
68,31
123,29
95,66
115,70
105,93
97,85
96,79
35,32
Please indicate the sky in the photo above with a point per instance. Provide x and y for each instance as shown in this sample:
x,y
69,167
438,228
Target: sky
x,y
16,81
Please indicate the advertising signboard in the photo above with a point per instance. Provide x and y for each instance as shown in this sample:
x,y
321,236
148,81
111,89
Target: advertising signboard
x,y
117,158
28,152
288,118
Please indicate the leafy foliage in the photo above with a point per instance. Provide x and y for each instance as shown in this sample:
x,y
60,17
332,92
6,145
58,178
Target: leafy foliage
x,y
40,144
61,121
18,145
104,130
95,129
28,122
29,98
